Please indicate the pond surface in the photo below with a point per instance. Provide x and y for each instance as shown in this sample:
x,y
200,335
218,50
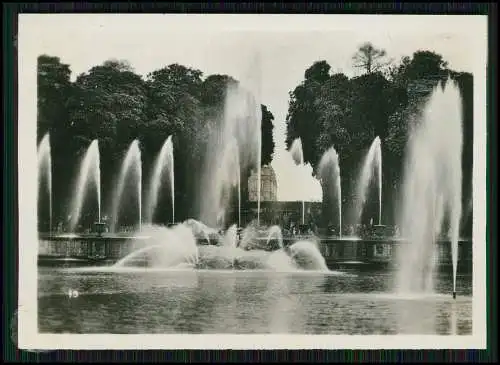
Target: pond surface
x,y
143,301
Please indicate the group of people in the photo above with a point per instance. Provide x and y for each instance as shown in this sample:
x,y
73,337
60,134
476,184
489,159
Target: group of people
x,y
295,229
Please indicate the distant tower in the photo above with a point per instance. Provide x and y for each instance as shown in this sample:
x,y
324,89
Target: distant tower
x,y
268,185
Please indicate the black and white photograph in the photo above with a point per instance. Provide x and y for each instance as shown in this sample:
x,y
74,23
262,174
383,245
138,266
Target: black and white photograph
x,y
259,181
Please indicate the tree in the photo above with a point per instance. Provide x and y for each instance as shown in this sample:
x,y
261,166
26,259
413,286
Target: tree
x,y
267,136
213,91
53,84
422,64
369,58
333,110
53,89
174,108
319,72
113,104
108,103
395,72
425,63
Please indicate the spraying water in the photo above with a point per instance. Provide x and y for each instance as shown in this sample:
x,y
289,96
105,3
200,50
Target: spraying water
x,y
199,229
275,232
232,160
254,81
90,172
45,168
298,158
372,161
168,247
236,173
164,161
230,241
329,172
307,256
232,148
432,189
132,161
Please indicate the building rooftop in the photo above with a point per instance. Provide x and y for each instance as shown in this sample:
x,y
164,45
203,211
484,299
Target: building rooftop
x,y
268,187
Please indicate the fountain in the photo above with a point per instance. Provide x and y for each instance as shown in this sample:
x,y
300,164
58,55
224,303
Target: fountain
x,y
132,160
372,161
232,148
298,158
175,247
275,232
307,255
90,172
45,168
231,162
256,127
200,229
230,241
238,171
170,247
165,160
329,173
431,189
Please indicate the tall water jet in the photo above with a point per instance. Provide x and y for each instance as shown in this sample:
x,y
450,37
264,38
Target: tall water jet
x,y
232,163
228,177
372,161
432,189
132,161
329,173
298,157
255,82
232,149
238,178
90,172
164,161
45,168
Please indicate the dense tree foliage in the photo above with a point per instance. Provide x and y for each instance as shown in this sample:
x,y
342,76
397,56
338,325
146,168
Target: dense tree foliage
x,y
112,103
331,109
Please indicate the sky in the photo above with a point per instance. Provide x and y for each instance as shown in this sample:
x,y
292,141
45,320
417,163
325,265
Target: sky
x,y
286,46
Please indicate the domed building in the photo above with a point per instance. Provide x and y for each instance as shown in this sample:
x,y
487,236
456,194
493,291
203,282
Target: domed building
x,y
268,185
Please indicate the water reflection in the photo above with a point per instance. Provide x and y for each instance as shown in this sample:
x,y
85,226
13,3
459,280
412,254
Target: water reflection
x,y
210,301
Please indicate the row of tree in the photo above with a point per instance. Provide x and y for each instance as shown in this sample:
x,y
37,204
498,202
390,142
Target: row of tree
x,y
115,105
330,109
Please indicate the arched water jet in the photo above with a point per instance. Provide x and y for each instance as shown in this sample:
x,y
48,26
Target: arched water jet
x,y
45,168
173,246
164,161
307,256
431,189
132,160
90,172
373,160
329,172
298,157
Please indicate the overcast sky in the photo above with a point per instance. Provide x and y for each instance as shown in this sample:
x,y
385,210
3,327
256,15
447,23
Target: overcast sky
x,y
227,44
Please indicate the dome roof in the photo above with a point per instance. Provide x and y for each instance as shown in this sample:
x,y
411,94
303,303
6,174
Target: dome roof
x,y
267,170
